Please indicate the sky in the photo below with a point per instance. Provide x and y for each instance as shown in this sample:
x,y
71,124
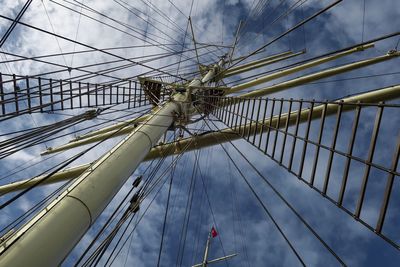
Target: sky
x,y
242,224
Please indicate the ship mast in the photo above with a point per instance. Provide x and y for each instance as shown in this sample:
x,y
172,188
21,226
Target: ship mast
x,y
48,238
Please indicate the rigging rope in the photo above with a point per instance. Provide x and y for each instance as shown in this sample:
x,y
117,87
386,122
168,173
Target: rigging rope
x,y
165,216
262,205
59,167
296,213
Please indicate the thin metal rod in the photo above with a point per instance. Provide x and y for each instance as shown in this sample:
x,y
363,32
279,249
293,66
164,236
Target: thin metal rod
x,y
388,188
333,146
317,148
286,131
370,157
349,153
303,154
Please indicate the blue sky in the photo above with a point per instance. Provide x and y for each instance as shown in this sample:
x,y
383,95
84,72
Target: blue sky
x,y
241,223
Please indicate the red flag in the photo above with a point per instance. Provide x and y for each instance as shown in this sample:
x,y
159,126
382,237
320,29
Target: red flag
x,y
213,232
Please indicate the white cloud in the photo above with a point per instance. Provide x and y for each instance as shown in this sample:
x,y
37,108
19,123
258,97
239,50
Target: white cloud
x,y
340,28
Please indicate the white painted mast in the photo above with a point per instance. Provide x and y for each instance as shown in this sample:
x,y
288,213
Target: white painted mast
x,y
49,237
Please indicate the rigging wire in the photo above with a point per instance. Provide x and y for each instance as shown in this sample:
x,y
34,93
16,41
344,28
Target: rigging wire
x,y
77,52
76,36
128,7
296,213
120,23
363,22
262,204
380,38
60,166
165,215
105,225
157,182
52,28
112,19
85,45
187,17
108,223
292,8
104,71
165,180
82,68
102,248
15,22
235,210
186,217
318,13
211,210
171,177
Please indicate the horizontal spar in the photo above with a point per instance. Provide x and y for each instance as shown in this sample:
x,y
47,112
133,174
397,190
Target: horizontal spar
x,y
260,63
63,175
115,130
298,68
320,75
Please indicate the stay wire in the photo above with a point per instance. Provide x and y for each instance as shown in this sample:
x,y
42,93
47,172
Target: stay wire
x,y
363,22
99,252
104,121
83,68
33,209
96,256
52,28
37,131
212,212
297,4
60,166
14,23
186,217
35,138
105,225
262,204
30,143
98,73
129,7
130,244
165,218
380,38
132,231
239,218
85,45
76,37
187,17
162,46
318,13
125,25
184,37
298,215
170,167
165,16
